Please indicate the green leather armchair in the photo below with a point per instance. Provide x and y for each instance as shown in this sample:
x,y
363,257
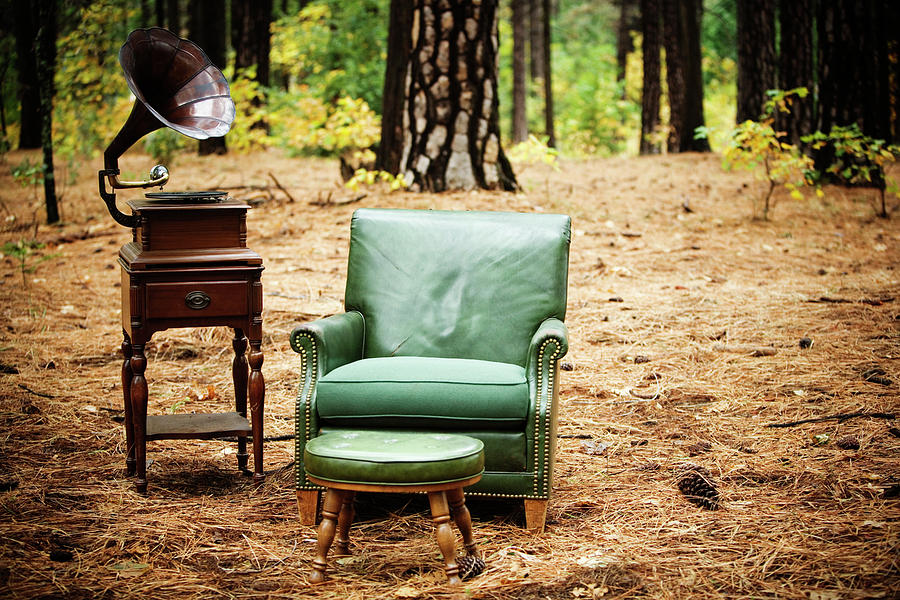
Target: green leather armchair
x,y
453,323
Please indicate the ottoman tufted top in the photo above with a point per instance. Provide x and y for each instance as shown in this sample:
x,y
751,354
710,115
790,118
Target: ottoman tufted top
x,y
393,458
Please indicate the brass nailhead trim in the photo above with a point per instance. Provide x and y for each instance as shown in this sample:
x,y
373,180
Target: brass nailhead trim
x,y
309,366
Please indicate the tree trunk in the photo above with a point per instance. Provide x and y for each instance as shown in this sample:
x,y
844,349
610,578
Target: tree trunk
x,y
651,91
173,17
394,94
672,41
25,15
536,38
250,38
855,75
160,12
796,66
691,16
519,95
45,62
207,26
756,56
451,130
549,130
624,44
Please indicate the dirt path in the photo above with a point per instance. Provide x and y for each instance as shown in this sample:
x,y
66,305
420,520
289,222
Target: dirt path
x,y
672,286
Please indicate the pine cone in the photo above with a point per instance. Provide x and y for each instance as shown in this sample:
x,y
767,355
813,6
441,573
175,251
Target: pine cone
x,y
470,566
699,489
848,442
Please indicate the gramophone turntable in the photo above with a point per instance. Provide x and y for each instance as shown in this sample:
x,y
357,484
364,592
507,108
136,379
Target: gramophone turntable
x,y
188,264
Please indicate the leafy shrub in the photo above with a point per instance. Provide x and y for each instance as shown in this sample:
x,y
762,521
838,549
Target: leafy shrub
x,y
755,144
858,159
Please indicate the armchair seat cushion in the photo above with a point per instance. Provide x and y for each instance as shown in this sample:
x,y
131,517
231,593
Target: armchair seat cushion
x,y
425,392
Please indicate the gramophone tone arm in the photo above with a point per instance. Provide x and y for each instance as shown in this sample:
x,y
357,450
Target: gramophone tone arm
x,y
159,176
110,200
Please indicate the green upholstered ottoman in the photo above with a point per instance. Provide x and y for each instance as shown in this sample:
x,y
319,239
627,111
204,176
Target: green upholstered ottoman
x,y
378,461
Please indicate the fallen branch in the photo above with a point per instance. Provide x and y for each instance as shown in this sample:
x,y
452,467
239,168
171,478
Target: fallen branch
x,y
281,187
840,418
869,301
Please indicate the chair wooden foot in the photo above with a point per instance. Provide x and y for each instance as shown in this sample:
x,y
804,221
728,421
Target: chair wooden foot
x,y
440,513
308,506
535,515
331,509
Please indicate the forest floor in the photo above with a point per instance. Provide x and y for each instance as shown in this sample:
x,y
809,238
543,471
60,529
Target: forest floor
x,y
673,291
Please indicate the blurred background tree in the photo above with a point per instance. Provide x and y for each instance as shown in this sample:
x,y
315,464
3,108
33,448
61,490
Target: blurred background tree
x,y
310,75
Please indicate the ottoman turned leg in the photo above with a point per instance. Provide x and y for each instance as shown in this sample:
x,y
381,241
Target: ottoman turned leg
x,y
440,513
345,518
331,508
463,519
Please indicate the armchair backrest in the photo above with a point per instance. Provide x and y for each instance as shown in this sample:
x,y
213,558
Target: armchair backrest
x,y
456,284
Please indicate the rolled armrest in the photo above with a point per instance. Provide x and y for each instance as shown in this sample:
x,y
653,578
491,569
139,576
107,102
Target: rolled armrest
x,y
323,346
550,341
548,344
334,341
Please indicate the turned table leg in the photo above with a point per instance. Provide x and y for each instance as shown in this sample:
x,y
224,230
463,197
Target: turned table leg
x,y
239,369
127,374
331,509
257,387
440,514
138,393
463,519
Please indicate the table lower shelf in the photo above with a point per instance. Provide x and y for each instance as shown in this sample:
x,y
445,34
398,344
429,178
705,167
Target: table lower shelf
x,y
197,426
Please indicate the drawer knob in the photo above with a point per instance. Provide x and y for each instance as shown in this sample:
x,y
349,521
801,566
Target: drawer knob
x,y
196,300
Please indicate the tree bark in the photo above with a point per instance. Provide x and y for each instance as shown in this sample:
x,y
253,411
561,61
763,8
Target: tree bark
x,y
25,17
857,81
756,56
549,129
45,61
207,27
173,17
796,66
250,36
394,94
672,42
624,44
651,90
691,16
451,129
520,94
536,38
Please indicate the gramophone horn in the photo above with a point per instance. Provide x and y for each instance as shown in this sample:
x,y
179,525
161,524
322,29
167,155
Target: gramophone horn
x,y
175,85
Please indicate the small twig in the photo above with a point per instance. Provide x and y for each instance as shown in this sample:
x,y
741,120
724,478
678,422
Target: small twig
x,y
41,394
745,349
281,187
841,417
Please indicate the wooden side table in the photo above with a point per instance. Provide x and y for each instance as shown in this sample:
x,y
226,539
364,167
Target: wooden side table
x,y
188,266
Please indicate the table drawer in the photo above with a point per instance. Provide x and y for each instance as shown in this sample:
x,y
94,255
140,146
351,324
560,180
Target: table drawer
x,y
197,299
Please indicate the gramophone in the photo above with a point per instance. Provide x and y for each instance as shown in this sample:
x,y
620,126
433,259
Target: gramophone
x,y
175,85
187,264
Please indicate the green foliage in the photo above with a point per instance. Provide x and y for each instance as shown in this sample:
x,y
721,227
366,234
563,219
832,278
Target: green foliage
x,y
858,158
755,144
250,129
22,250
532,151
91,101
28,174
163,144
312,126
334,49
370,178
